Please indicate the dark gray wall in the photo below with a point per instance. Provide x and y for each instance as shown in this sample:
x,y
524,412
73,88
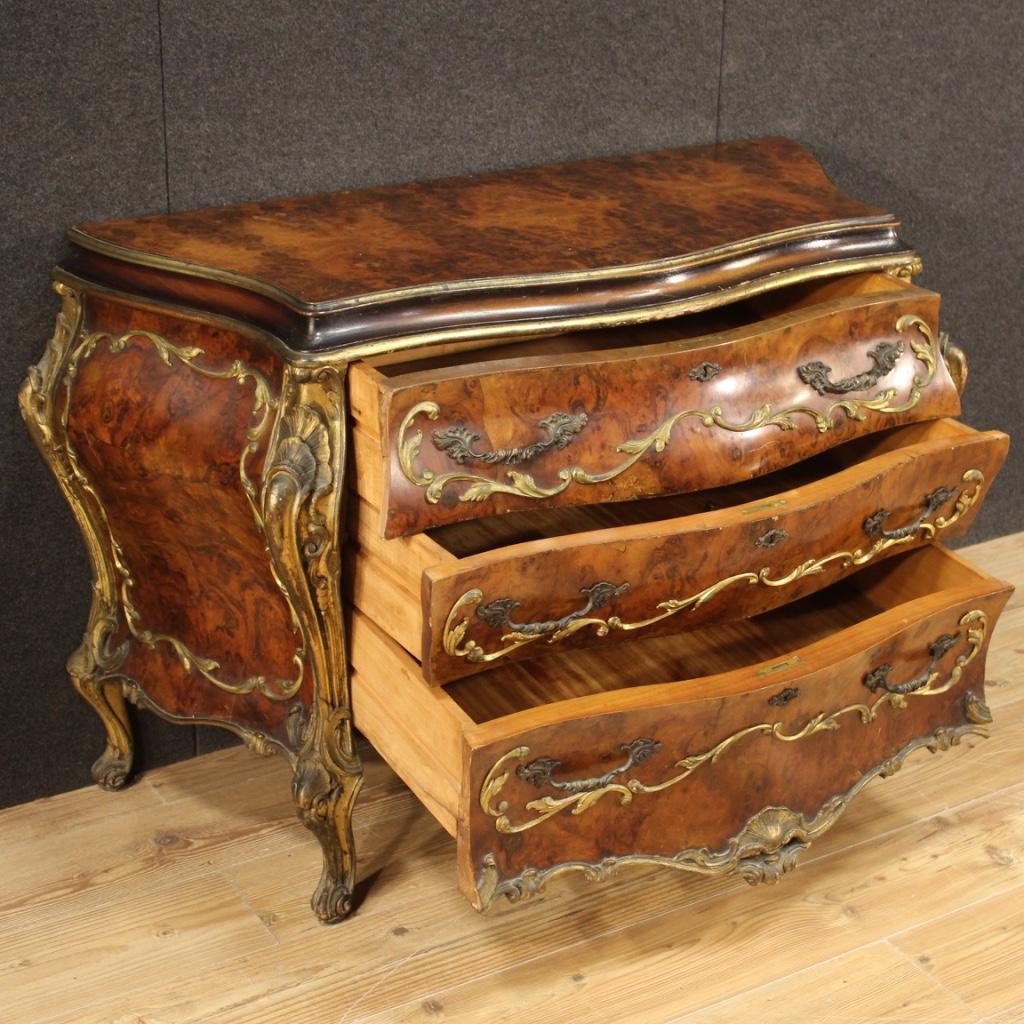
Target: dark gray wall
x,y
111,109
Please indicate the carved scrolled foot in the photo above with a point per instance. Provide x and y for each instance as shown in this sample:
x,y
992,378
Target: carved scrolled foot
x,y
324,802
87,668
110,771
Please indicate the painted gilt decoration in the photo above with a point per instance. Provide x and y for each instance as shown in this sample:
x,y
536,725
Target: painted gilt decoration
x,y
767,847
578,801
458,644
925,348
301,505
263,406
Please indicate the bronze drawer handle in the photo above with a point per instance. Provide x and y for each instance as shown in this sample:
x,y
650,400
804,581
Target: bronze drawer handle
x,y
497,613
538,773
874,525
457,442
884,355
878,678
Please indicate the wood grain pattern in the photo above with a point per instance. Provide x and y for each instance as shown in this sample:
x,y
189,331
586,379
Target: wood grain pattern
x,y
578,709
718,431
309,263
939,842
675,551
161,444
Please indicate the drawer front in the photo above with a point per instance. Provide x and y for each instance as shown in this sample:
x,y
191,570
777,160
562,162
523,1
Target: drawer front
x,y
734,783
611,585
682,416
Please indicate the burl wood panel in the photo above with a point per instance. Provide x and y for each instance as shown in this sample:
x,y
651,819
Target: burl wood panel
x,y
628,394
454,253
161,444
680,558
711,805
539,220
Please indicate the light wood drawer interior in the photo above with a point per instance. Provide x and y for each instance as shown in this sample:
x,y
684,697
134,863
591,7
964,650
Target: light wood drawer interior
x,y
409,585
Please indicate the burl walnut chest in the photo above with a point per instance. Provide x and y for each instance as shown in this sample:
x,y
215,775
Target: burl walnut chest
x,y
605,499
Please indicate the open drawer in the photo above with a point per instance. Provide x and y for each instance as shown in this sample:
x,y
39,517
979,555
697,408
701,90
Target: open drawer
x,y
717,752
697,402
470,596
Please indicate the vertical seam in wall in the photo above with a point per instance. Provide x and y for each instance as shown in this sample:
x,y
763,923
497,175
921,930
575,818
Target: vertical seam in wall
x,y
721,65
163,105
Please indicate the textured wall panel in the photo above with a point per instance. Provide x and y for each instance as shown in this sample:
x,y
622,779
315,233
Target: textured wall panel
x,y
917,107
80,122
267,98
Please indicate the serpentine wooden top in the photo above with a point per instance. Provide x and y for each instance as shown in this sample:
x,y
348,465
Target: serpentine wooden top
x,y
656,233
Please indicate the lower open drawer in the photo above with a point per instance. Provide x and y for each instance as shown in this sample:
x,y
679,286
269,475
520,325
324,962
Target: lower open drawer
x,y
718,751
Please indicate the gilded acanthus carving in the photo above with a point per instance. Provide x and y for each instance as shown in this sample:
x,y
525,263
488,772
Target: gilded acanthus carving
x,y
56,437
578,799
923,344
94,666
766,848
301,507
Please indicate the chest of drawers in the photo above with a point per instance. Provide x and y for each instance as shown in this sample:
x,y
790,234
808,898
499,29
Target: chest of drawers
x,y
606,499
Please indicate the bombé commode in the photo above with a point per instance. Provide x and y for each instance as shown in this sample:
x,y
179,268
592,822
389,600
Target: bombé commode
x,y
605,499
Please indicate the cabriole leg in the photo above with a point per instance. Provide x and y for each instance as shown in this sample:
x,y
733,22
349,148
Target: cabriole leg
x,y
325,797
303,487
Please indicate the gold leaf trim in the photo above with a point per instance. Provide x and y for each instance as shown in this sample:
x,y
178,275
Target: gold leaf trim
x,y
766,848
480,488
456,644
546,807
263,405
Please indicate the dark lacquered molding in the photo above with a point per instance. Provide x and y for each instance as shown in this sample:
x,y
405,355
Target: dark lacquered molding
x,y
503,307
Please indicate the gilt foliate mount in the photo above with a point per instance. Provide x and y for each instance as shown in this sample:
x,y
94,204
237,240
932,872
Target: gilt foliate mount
x,y
579,796
298,444
497,613
561,428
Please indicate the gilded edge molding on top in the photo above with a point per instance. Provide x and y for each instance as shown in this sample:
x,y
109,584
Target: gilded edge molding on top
x,y
975,622
409,441
455,643
767,847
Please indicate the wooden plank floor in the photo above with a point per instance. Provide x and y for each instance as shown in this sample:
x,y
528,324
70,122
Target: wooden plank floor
x,y
184,899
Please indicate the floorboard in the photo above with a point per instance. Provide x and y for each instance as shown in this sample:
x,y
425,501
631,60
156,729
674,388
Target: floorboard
x,y
183,900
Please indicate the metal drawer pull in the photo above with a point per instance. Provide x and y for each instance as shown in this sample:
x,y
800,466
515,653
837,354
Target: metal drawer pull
x,y
497,613
457,442
538,773
884,355
874,524
878,678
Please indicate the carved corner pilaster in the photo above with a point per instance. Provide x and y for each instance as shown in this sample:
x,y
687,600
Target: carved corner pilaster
x,y
94,665
301,499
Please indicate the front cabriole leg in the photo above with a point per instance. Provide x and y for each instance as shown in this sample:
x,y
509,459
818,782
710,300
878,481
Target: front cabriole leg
x,y
303,487
94,666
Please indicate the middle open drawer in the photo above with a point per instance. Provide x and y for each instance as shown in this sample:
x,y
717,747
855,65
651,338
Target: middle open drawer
x,y
464,597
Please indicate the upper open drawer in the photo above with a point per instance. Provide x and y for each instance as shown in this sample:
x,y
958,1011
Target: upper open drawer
x,y
688,404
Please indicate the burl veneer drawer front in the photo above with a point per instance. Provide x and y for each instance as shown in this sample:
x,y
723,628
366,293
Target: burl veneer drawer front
x,y
724,752
441,443
470,596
